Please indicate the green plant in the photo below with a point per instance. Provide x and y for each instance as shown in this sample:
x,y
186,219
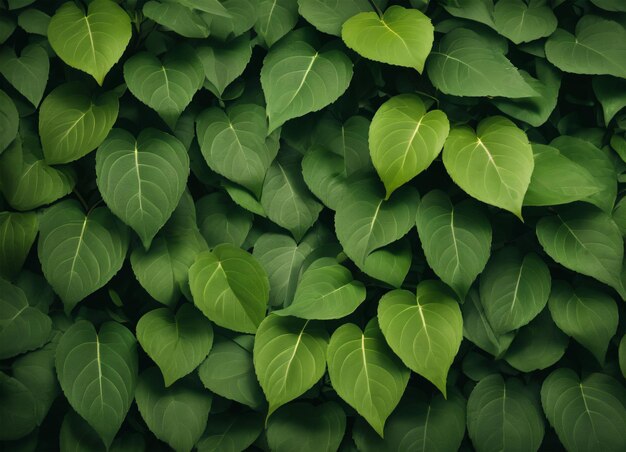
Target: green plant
x,y
312,225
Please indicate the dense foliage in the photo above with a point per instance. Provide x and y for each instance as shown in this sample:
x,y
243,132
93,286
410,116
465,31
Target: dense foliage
x,y
312,225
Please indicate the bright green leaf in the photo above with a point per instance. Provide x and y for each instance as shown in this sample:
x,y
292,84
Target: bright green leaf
x,y
524,21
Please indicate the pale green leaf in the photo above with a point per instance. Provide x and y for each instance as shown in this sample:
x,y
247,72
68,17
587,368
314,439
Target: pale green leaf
x,y
456,239
588,413
230,287
404,139
97,371
493,164
142,179
402,37
424,329
177,343
365,373
93,42
289,357
80,253
585,313
74,120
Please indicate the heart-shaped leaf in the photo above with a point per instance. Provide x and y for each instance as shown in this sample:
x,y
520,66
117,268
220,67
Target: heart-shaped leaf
x,y
74,120
407,35
456,239
325,291
17,235
228,371
491,405
586,240
322,427
22,327
93,42
598,47
424,329
585,412
230,288
142,179
28,73
289,357
522,21
493,164
466,63
80,253
404,139
176,415
220,220
514,289
329,15
297,77
365,373
176,343
233,144
587,314
166,85
224,62
98,373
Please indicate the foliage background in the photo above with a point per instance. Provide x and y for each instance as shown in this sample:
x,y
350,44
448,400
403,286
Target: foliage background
x,y
230,225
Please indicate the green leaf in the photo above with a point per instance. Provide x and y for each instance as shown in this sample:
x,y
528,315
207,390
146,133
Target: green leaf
x,y
17,235
233,144
538,345
366,222
493,164
286,198
242,16
18,409
289,357
178,18
176,415
34,21
307,428
22,327
329,15
404,139
80,253
326,291
599,164
176,343
504,415
420,423
28,181
228,371
586,240
465,63
478,329
610,5
97,371
142,179
74,120
557,179
230,287
222,221
275,18
476,10
598,47
588,413
622,355
224,62
77,436
93,42
425,330
610,93
298,77
28,73
514,289
365,373
402,37
163,269
522,21
587,314
232,433
10,121
166,85
456,239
